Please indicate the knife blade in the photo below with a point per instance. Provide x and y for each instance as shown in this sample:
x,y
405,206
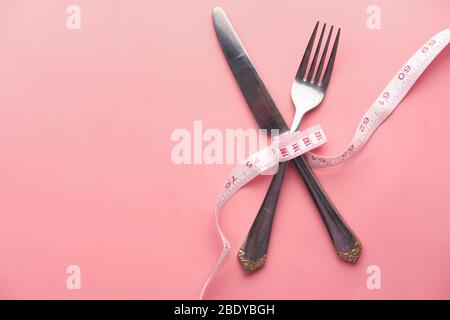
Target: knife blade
x,y
252,87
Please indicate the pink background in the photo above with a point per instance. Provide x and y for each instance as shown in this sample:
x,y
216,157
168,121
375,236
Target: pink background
x,y
86,176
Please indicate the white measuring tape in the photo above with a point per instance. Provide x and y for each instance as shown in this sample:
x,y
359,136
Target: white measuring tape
x,y
294,144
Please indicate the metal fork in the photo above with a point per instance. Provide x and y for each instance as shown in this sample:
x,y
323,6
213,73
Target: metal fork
x,y
308,91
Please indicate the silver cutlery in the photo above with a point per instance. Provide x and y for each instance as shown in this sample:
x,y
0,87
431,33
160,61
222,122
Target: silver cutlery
x,y
307,92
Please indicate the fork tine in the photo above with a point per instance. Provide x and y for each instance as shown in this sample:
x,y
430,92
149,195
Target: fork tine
x,y
322,59
327,74
304,64
316,54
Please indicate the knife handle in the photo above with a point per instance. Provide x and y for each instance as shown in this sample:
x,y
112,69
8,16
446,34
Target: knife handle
x,y
347,245
253,253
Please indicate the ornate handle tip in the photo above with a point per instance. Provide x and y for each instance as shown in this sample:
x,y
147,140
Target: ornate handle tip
x,y
250,265
351,255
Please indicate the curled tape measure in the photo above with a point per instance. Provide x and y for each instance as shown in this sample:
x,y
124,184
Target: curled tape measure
x,y
294,144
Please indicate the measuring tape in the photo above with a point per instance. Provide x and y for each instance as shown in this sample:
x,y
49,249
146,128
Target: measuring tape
x,y
292,145
387,101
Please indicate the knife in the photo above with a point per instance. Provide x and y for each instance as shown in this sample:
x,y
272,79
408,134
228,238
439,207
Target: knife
x,y
267,115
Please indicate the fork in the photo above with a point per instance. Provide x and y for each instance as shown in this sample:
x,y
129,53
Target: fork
x,y
308,91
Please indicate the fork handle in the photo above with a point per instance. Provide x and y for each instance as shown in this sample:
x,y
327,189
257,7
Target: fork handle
x,y
347,245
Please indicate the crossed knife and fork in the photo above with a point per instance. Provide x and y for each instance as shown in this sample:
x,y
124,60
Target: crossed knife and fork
x,y
308,90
